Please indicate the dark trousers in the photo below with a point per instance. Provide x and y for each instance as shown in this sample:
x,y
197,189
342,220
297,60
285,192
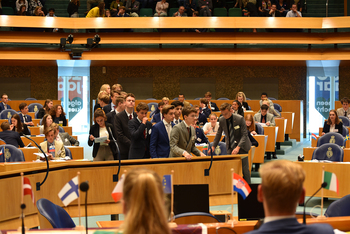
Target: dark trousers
x,y
245,165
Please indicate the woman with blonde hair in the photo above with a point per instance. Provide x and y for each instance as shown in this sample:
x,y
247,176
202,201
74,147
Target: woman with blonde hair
x,y
240,96
144,203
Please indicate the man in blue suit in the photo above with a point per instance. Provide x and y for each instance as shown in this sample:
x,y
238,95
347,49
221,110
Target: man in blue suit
x,y
27,119
3,104
10,137
159,146
280,191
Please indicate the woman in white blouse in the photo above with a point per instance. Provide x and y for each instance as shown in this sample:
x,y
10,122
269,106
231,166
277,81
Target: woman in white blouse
x,y
212,126
161,9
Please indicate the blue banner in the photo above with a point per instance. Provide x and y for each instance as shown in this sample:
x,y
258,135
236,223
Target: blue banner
x,y
323,93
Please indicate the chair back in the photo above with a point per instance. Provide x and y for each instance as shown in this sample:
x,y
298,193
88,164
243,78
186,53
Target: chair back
x,y
220,12
249,108
60,129
345,131
235,12
259,129
277,107
56,216
222,98
197,98
11,154
339,207
331,137
8,11
220,149
6,114
146,12
152,106
247,98
272,98
172,11
68,152
195,217
34,107
345,120
151,99
329,151
30,99
176,99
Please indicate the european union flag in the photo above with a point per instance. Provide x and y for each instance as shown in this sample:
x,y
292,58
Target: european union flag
x,y
167,184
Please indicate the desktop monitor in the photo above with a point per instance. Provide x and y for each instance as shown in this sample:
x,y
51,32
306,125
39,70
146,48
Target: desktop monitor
x,y
250,208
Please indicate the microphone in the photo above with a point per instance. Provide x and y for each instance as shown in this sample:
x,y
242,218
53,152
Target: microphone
x,y
323,185
84,187
38,184
206,171
115,177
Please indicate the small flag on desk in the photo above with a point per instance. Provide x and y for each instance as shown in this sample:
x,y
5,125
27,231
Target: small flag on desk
x,y
70,191
241,186
205,149
313,136
117,193
346,138
332,181
27,189
2,151
167,184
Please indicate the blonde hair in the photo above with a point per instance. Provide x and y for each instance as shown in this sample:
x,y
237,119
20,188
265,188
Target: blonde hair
x,y
144,203
282,185
241,94
104,87
118,87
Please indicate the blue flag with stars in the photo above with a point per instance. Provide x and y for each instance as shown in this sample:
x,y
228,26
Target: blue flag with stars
x,y
167,184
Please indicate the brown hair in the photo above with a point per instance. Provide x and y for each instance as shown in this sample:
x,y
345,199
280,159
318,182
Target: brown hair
x,y
225,106
101,7
129,95
142,106
116,86
22,105
204,101
99,113
44,121
102,96
161,103
337,120
49,129
250,118
5,126
119,100
46,105
188,110
19,123
344,99
167,108
54,110
207,94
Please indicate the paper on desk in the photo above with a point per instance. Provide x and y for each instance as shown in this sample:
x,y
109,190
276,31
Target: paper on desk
x,y
100,139
41,155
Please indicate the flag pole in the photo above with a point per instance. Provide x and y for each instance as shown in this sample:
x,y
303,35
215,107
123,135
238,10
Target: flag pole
x,y
22,188
232,171
80,227
321,216
172,224
23,206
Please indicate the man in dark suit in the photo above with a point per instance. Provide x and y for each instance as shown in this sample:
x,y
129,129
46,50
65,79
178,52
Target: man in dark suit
x,y
122,128
157,117
27,119
211,105
140,130
160,137
280,191
10,137
120,103
3,104
112,106
183,136
178,110
237,140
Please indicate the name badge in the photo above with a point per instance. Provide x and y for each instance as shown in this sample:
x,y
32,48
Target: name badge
x,y
198,139
236,127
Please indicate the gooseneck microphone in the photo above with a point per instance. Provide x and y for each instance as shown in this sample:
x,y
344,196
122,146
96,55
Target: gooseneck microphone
x,y
323,185
38,185
119,158
84,187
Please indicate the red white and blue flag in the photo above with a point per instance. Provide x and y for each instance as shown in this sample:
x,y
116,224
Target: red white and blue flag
x,y
241,186
313,136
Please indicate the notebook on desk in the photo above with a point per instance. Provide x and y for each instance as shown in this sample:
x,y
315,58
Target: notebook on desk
x,y
250,208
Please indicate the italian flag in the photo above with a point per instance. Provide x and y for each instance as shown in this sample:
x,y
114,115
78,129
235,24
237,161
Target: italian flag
x,y
205,148
332,181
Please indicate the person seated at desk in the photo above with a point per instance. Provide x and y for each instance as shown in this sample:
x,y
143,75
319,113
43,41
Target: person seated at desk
x,y
45,109
26,119
264,117
17,126
98,11
52,148
22,11
161,9
3,104
240,96
280,191
184,102
46,122
58,115
200,136
157,114
10,137
265,98
345,110
213,126
64,137
237,108
201,118
204,108
211,105
333,124
39,11
114,8
180,12
132,8
205,7
249,121
294,12
121,12
104,151
144,203
271,110
165,100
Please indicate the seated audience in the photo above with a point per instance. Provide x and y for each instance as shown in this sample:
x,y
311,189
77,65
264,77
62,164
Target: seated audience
x,y
20,3
3,104
38,11
205,7
182,99
265,98
281,191
264,7
27,119
162,8
213,126
160,137
22,11
240,96
18,126
45,109
132,8
294,12
274,12
345,110
58,115
271,110
52,148
114,8
32,6
46,122
249,121
264,116
140,131
211,105
144,204
64,137
98,11
10,137
282,7
180,12
178,110
121,12
157,116
333,124
107,150
237,108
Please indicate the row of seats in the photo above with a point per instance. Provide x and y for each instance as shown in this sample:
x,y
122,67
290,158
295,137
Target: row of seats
x,y
6,114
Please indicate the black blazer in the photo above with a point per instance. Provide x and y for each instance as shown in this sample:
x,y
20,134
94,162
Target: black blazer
x,y
61,118
110,117
139,147
107,108
95,131
123,133
245,105
41,113
252,140
214,107
25,129
11,138
327,127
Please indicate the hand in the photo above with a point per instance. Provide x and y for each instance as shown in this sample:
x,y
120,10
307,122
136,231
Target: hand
x,y
144,120
268,123
197,31
202,155
49,156
12,126
107,141
235,151
158,14
254,133
31,123
92,138
187,155
322,133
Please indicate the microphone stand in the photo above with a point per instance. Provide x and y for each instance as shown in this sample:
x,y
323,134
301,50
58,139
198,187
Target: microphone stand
x,y
206,171
84,186
115,177
38,185
323,185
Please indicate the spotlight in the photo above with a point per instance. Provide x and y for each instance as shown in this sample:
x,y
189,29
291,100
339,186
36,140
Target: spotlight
x,y
97,39
70,38
93,42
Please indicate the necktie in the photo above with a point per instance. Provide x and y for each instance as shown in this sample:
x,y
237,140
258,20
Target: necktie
x,y
144,133
176,122
345,114
168,129
115,107
5,106
130,117
263,120
24,118
232,136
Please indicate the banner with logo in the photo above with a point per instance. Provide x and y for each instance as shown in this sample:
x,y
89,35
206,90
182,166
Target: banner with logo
x,y
323,93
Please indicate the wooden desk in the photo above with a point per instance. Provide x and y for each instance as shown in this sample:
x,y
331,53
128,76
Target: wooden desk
x,y
290,121
310,150
261,149
313,178
37,139
100,177
211,137
281,123
271,141
29,156
36,130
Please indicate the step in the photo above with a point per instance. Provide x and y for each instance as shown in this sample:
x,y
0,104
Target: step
x,y
284,150
290,142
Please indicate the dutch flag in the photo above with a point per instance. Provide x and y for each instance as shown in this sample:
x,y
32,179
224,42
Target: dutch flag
x,y
241,186
313,136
